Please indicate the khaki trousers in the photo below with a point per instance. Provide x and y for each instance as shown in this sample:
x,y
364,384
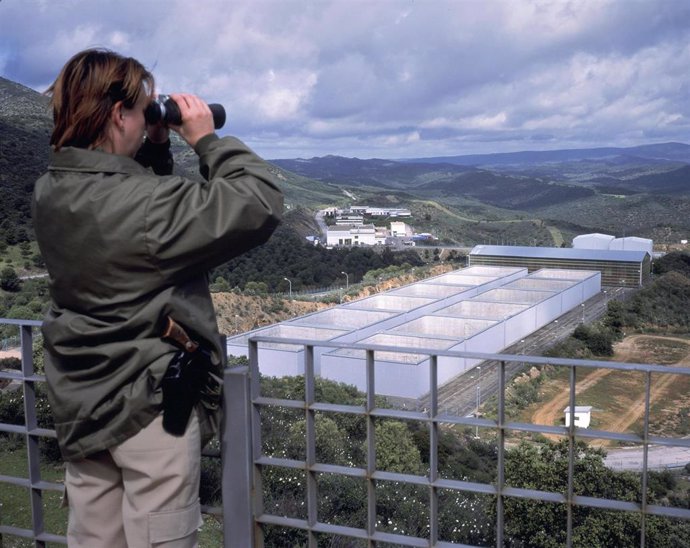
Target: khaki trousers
x,y
142,493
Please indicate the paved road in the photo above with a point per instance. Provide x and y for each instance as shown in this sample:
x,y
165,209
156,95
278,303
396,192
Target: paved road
x,y
658,458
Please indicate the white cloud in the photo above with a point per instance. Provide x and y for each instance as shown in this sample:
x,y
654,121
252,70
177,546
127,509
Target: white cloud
x,y
346,76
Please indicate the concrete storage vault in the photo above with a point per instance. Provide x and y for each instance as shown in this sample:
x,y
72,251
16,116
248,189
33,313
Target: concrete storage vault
x,y
477,309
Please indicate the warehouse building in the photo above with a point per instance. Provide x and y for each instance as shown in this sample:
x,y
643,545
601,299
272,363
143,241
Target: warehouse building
x,y
476,309
618,267
605,241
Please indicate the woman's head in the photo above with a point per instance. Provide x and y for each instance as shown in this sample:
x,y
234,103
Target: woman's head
x,y
86,90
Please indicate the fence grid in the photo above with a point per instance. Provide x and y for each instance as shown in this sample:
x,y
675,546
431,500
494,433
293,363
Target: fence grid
x,y
433,419
244,461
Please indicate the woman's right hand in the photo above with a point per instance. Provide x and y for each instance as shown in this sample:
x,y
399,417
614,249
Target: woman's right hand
x,y
197,120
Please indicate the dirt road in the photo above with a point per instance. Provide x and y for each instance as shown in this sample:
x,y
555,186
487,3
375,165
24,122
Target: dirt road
x,y
636,348
553,410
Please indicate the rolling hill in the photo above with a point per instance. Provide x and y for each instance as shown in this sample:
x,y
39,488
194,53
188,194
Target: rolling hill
x,y
535,196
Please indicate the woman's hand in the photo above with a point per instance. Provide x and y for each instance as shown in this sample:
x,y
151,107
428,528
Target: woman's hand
x,y
197,120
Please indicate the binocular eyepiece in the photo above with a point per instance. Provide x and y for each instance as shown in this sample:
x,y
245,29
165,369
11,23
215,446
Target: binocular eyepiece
x,y
164,108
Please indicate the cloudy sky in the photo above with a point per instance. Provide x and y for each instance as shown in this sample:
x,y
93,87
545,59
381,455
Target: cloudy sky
x,y
390,78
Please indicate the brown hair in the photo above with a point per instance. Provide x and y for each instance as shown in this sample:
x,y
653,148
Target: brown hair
x,y
85,91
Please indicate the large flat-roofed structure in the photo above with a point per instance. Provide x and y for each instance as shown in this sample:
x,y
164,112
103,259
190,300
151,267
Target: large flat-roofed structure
x,y
618,267
478,309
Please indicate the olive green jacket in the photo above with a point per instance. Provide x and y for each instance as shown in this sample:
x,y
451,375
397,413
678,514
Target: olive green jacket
x,y
125,248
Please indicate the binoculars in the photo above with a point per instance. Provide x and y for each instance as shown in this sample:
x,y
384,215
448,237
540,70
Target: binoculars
x,y
164,108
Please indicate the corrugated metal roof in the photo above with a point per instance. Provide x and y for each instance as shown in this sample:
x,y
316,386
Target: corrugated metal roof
x,y
559,253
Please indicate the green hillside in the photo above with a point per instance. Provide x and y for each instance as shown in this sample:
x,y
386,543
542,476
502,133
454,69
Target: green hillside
x,y
25,127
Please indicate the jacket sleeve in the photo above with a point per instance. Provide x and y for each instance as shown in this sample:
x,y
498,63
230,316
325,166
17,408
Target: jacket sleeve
x,y
192,227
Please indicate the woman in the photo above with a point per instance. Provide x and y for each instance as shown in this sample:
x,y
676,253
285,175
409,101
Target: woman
x,y
126,249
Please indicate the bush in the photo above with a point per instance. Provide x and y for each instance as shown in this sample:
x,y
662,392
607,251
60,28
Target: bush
x,y
9,281
210,486
598,339
11,407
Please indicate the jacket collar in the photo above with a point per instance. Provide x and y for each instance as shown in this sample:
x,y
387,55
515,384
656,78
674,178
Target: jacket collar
x,y
92,161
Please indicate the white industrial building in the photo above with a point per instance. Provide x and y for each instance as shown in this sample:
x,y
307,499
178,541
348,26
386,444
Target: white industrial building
x,y
352,235
632,243
617,267
606,241
478,309
593,241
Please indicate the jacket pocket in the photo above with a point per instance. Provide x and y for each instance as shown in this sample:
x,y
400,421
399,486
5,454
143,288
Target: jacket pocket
x,y
172,525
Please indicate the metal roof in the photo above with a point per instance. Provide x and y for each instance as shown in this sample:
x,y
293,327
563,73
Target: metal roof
x,y
560,253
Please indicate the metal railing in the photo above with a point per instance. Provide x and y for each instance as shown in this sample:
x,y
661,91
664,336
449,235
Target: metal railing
x,y
32,434
245,462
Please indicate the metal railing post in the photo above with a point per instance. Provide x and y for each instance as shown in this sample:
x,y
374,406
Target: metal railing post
x,y
310,430
32,440
236,455
645,458
500,443
433,450
371,448
571,456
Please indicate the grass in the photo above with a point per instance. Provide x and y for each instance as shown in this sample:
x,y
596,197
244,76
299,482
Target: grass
x,y
15,508
13,257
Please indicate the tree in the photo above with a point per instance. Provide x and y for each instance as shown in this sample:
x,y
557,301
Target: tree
x,y
395,448
541,524
220,285
9,281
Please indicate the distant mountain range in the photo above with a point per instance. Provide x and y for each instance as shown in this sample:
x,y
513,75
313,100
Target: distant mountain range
x,y
674,152
533,196
500,179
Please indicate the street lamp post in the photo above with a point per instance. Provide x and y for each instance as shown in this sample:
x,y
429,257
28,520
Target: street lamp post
x,y
583,312
288,281
479,400
347,281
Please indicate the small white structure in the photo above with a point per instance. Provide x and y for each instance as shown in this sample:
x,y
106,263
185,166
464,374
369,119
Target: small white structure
x,y
400,229
583,416
605,241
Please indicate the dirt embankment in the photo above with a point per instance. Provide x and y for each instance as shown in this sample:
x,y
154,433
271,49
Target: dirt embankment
x,y
241,313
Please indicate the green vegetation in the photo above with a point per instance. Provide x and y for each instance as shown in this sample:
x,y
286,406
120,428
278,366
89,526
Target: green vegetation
x,y
464,518
21,299
401,447
542,525
286,255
